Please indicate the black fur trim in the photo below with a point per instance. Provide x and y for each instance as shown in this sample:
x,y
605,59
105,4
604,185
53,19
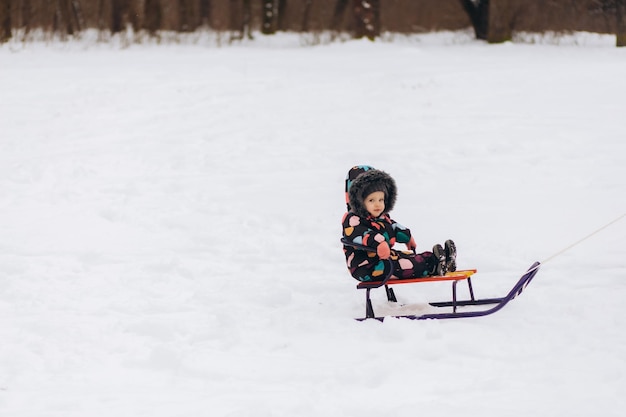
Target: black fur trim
x,y
367,183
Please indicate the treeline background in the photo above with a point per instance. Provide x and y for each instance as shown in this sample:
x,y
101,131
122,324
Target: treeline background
x,y
492,20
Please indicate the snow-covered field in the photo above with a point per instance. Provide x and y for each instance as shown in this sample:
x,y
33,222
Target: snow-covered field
x,y
170,224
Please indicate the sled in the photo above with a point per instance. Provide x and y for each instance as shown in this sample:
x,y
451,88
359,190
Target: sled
x,y
462,275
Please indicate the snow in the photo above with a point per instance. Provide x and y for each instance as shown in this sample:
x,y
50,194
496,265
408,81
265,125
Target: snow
x,y
170,224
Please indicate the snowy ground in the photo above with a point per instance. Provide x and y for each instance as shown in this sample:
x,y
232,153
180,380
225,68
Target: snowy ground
x,y
170,224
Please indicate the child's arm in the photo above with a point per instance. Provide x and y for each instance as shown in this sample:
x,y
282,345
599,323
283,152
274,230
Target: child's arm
x,y
358,231
403,235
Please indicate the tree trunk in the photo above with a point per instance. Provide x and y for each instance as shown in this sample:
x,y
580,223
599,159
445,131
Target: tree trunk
x,y
5,20
620,15
240,18
71,16
236,24
66,23
501,19
188,18
367,18
205,12
102,20
306,16
153,16
247,18
281,16
478,12
117,15
268,25
25,15
340,8
78,14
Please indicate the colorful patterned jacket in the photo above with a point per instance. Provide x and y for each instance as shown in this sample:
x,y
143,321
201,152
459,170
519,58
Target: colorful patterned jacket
x,y
365,265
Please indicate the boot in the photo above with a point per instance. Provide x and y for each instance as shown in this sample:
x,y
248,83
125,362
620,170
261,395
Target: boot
x,y
450,252
440,257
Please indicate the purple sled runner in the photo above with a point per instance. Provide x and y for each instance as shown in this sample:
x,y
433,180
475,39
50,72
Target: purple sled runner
x,y
496,303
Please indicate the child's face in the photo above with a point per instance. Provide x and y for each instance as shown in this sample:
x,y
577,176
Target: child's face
x,y
375,203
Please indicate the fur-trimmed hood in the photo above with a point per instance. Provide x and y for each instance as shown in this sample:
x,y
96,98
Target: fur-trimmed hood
x,y
363,180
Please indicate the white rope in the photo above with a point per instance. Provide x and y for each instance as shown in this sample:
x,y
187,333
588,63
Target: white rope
x,y
583,239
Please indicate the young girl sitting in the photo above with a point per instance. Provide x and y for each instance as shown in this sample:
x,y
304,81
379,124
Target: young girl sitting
x,y
370,196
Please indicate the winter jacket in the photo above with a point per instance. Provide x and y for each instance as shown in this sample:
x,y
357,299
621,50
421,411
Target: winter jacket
x,y
371,232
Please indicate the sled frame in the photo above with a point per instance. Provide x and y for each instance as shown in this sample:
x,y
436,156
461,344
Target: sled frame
x,y
389,280
455,277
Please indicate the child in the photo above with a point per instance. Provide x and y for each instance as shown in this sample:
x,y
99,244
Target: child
x,y
370,196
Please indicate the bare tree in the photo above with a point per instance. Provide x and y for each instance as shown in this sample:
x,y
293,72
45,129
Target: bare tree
x,y
340,8
190,15
367,18
240,19
478,12
495,20
118,15
70,16
25,9
153,16
274,16
504,16
609,9
205,12
306,16
281,16
620,15
269,11
78,14
5,20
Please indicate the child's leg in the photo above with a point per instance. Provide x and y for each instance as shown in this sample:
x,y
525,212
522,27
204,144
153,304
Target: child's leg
x,y
412,265
371,272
